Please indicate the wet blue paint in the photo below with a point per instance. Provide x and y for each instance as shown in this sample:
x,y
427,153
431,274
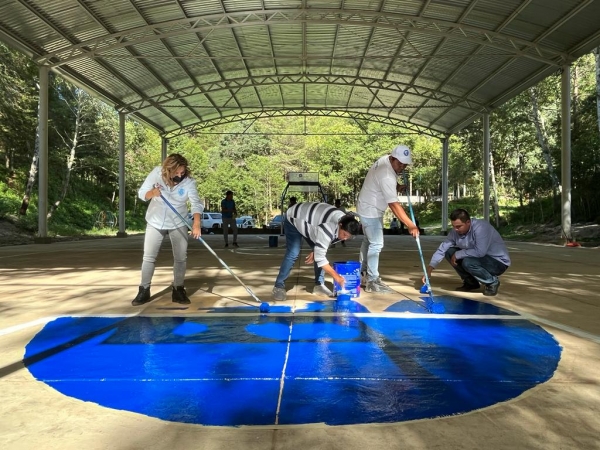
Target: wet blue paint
x,y
452,305
225,370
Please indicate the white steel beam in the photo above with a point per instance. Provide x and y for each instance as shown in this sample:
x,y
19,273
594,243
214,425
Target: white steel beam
x,y
121,232
566,151
445,151
43,157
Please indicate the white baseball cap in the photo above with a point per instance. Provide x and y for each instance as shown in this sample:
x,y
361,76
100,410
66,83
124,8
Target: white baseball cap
x,y
402,154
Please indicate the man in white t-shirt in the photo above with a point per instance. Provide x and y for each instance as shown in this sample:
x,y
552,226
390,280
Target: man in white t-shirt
x,y
380,191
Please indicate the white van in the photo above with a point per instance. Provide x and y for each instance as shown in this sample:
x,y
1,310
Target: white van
x,y
210,221
245,222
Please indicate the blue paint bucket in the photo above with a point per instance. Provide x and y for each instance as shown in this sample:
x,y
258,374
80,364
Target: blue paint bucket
x,y
273,241
350,270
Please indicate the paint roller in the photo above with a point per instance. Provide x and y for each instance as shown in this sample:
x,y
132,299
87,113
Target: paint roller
x,y
264,306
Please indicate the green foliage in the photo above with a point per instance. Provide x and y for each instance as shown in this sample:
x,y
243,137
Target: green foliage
x,y
252,158
9,200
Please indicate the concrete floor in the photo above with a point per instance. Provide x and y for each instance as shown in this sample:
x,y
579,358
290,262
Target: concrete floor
x,y
555,287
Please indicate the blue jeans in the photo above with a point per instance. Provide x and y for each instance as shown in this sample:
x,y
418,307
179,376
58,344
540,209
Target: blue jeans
x,y
371,246
485,270
293,243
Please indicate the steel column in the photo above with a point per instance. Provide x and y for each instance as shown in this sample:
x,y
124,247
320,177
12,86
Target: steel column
x,y
445,150
566,151
121,232
486,166
164,147
42,236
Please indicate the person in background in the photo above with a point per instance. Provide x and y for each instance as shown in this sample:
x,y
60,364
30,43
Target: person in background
x,y
173,180
475,249
379,192
394,226
293,201
228,214
320,225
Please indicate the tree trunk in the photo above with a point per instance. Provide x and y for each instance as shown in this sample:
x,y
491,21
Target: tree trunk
x,y
494,190
70,162
575,102
540,129
597,57
33,169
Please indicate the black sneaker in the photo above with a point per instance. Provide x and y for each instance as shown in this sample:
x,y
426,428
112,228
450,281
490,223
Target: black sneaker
x,y
491,289
235,244
142,297
226,245
363,279
179,295
468,286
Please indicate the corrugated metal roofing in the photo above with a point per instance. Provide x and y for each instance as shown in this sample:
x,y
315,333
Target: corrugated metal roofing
x,y
181,65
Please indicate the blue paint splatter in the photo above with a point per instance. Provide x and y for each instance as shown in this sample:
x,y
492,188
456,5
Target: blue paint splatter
x,y
218,370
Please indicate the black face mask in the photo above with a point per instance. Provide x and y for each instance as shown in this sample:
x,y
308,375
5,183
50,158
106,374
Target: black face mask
x,y
178,179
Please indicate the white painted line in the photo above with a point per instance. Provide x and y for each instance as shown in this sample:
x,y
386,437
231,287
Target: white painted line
x,y
45,320
15,328
282,382
568,329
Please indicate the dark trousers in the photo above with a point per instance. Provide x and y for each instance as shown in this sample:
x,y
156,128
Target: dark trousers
x,y
485,270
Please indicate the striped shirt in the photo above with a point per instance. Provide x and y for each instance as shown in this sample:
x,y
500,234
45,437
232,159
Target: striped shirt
x,y
319,224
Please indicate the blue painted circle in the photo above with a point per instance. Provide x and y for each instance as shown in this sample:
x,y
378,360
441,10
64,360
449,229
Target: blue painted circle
x,y
219,370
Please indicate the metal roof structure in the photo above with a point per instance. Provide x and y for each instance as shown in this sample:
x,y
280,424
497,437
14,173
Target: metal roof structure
x,y
431,66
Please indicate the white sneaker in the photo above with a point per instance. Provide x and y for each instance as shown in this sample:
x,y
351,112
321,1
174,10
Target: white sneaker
x,y
321,289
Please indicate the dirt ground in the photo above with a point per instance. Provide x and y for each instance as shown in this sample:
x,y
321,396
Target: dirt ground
x,y
588,234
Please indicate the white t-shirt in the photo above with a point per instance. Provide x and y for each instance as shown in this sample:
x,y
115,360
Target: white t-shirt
x,y
378,189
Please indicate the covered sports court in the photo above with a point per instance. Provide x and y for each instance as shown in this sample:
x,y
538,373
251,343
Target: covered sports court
x,y
81,368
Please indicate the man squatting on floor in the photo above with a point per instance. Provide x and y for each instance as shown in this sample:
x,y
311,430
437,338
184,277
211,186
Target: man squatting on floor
x,y
320,225
475,250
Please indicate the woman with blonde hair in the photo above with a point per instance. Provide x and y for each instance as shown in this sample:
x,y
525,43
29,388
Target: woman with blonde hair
x,y
174,182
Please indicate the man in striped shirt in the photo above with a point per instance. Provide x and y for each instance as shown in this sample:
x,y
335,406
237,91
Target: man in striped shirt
x,y
320,225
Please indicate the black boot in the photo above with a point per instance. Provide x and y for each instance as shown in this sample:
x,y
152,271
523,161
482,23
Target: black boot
x,y
469,284
179,295
142,297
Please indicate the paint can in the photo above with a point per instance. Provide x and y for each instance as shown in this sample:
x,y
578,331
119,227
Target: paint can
x,y
350,270
273,241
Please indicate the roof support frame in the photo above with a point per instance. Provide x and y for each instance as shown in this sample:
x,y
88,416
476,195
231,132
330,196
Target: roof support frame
x,y
438,47
131,51
170,50
106,66
508,63
369,83
514,46
304,112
